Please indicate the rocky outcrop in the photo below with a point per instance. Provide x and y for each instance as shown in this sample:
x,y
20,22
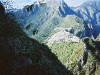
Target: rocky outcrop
x,y
63,34
85,56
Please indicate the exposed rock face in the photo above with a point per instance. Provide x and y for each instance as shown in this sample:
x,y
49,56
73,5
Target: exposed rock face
x,y
85,56
90,12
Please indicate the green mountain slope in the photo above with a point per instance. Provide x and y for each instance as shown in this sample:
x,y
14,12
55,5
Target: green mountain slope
x,y
71,28
21,55
43,19
72,55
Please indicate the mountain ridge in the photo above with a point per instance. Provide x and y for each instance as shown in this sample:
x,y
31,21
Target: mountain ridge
x,y
90,12
46,19
22,55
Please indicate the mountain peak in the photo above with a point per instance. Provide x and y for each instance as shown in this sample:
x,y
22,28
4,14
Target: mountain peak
x,y
53,2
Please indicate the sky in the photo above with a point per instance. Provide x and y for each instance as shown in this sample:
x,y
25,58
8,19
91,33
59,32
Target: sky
x,y
22,3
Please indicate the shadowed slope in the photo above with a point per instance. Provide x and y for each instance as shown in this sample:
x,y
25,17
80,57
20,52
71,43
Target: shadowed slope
x,y
21,55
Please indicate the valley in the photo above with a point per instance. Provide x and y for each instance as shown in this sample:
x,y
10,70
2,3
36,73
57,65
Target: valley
x,y
51,39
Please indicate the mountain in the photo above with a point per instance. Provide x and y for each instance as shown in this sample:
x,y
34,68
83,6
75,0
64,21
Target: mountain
x,y
41,20
90,12
83,57
72,28
21,55
71,50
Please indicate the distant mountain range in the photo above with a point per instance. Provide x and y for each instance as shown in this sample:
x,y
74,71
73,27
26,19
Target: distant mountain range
x,y
90,12
44,18
41,19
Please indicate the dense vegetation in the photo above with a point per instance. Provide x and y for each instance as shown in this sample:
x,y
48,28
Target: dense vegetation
x,y
68,53
71,55
21,55
72,21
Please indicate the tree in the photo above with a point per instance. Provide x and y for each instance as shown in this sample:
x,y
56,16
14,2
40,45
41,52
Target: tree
x,y
2,9
7,4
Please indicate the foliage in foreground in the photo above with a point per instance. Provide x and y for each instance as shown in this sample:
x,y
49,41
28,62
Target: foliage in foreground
x,y
21,55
